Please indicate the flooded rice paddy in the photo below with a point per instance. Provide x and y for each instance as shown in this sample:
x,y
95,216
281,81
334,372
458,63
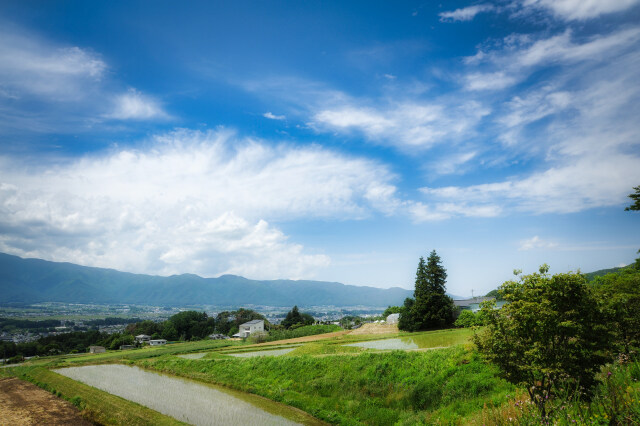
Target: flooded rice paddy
x,y
273,352
184,400
423,341
192,356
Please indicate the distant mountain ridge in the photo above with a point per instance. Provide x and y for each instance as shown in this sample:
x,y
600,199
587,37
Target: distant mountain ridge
x,y
37,280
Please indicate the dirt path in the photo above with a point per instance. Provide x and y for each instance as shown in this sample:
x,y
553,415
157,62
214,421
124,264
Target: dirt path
x,y
302,339
23,403
376,328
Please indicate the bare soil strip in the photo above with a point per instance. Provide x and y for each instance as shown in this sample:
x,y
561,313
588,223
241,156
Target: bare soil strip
x,y
376,328
302,339
23,403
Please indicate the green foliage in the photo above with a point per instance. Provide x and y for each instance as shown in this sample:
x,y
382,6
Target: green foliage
x,y
190,325
228,322
432,308
551,332
620,293
12,325
258,337
307,330
616,401
469,319
495,294
295,319
144,327
391,310
371,388
635,205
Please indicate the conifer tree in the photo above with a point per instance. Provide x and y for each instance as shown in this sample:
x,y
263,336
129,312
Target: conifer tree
x,y
431,308
422,284
435,274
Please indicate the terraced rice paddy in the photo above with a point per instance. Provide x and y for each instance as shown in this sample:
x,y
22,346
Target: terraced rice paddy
x,y
420,341
192,356
273,352
181,399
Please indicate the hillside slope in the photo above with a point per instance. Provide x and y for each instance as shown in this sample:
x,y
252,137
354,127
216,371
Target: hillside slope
x,y
35,280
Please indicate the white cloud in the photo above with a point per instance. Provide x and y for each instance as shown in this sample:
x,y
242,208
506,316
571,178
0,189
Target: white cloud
x,y
465,14
189,202
586,148
31,66
488,81
406,125
133,105
520,55
48,87
581,9
271,116
437,211
572,186
535,243
452,164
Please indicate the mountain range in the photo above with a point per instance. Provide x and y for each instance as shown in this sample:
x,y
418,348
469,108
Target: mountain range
x,y
36,280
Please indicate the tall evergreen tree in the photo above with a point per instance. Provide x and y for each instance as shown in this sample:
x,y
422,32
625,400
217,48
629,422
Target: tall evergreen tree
x,y
422,284
432,308
436,275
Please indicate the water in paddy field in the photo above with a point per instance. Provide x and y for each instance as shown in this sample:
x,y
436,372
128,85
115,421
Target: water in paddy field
x,y
184,400
274,352
420,341
192,356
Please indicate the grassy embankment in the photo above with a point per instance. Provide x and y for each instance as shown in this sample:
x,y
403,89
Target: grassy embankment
x,y
375,388
439,386
378,387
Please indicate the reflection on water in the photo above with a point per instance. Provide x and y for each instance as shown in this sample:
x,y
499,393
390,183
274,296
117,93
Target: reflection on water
x,y
419,341
192,356
274,352
181,399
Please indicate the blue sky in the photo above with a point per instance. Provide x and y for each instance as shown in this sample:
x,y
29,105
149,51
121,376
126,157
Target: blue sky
x,y
321,140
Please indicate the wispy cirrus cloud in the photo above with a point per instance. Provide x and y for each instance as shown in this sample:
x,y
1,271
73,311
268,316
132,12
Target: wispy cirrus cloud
x,y
51,87
466,13
579,10
30,66
405,125
520,55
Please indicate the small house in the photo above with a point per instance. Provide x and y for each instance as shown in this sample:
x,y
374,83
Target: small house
x,y
97,349
249,327
157,342
393,318
474,304
126,347
142,338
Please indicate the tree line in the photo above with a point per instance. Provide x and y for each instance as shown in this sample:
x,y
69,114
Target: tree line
x,y
183,326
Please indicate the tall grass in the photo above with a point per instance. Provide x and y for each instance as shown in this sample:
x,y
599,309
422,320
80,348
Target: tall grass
x,y
307,330
372,388
616,401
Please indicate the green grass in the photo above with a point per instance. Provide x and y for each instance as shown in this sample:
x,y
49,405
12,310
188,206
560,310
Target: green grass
x,y
336,383
96,406
372,388
307,330
146,352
